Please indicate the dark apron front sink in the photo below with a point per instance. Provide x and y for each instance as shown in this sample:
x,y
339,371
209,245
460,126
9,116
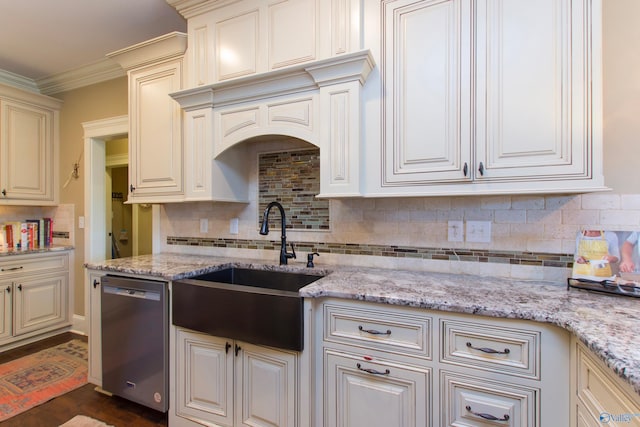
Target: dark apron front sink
x,y
257,306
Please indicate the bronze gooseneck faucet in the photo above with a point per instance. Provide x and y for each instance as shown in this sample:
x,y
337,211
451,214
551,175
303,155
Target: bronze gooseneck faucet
x,y
264,230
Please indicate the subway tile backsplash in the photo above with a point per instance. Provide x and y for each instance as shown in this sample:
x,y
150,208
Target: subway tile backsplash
x,y
532,236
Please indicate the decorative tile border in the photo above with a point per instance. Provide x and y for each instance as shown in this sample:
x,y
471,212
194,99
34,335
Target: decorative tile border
x,y
447,254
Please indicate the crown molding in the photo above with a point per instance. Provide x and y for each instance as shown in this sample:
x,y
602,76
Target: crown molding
x,y
18,81
96,72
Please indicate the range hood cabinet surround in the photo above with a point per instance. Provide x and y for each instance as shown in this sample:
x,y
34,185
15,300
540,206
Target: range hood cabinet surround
x,y
319,102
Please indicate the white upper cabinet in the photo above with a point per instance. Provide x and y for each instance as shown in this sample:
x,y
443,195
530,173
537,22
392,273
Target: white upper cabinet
x,y
155,119
28,148
492,96
240,38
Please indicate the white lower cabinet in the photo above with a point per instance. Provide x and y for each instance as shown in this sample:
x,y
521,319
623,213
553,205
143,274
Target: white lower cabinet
x,y
93,280
35,296
223,382
371,392
598,396
386,365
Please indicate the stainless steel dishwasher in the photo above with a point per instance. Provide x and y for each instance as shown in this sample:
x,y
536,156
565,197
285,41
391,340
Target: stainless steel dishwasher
x,y
135,337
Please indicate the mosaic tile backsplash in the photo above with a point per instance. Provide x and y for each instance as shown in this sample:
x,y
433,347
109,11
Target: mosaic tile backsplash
x,y
293,179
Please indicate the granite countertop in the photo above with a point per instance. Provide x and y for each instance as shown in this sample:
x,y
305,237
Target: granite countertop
x,y
605,323
56,248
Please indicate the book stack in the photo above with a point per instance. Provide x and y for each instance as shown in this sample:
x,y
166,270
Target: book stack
x,y
27,234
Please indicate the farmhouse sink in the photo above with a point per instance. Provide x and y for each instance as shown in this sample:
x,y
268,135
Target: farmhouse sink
x,y
256,306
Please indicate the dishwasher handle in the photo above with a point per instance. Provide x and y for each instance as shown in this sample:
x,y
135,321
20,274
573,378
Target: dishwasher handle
x,y
132,293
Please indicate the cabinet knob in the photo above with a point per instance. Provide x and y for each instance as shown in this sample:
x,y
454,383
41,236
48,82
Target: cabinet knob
x,y
4,192
481,169
8,289
227,346
132,188
20,287
238,348
465,169
95,283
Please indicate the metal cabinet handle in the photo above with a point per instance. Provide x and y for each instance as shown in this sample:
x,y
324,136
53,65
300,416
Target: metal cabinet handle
x,y
465,169
488,350
20,287
505,417
481,169
8,289
372,371
4,192
132,188
373,331
238,348
227,346
95,283
12,268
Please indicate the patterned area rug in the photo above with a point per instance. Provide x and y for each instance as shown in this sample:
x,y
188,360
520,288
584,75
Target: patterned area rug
x,y
39,377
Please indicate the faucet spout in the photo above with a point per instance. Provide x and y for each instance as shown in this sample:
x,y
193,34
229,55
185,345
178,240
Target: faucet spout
x,y
264,230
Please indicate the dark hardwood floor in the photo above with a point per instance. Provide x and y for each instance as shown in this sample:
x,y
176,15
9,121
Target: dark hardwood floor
x,y
82,401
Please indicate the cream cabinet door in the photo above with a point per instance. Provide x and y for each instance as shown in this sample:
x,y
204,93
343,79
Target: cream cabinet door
x,y
427,77
26,152
155,138
266,386
40,302
95,327
204,378
533,88
374,393
6,290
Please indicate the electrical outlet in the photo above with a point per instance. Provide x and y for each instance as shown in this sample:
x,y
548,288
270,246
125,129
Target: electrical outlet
x,y
233,225
455,231
479,231
204,225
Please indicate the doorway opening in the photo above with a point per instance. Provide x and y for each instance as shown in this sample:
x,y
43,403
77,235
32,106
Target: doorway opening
x,y
100,164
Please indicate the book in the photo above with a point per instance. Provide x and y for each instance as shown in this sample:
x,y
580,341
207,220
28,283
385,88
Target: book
x,y
34,226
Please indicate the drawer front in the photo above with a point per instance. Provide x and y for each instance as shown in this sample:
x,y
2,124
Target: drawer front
x,y
360,391
469,401
492,348
383,328
37,264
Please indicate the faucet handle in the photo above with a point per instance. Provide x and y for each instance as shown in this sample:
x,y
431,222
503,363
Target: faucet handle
x,y
310,259
293,251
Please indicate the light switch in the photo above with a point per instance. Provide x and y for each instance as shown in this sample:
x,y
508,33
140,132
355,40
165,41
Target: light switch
x,y
80,222
204,225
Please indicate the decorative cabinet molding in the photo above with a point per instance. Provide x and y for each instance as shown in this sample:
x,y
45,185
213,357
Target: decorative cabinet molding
x,y
504,97
319,103
29,148
155,120
231,39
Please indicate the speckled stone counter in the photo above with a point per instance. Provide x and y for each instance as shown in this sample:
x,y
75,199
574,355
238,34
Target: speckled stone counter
x,y
55,248
606,324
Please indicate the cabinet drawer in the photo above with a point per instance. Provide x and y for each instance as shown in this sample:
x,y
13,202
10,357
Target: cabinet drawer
x,y
361,391
36,264
492,348
470,401
383,328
